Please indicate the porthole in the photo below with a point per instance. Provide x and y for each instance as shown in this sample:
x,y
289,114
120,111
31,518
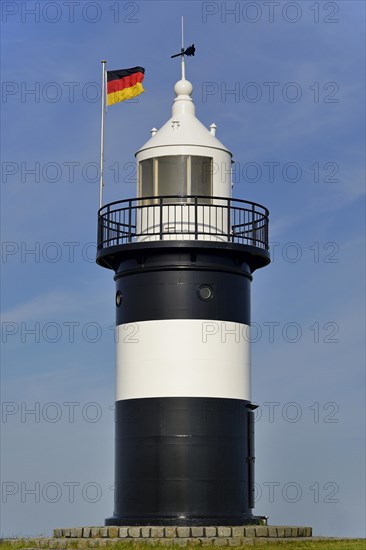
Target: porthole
x,y
118,298
205,292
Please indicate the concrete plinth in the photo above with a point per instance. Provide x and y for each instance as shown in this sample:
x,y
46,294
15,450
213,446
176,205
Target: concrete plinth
x,y
210,532
101,537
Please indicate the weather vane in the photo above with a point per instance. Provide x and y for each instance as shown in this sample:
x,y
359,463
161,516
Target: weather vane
x,y
189,51
184,51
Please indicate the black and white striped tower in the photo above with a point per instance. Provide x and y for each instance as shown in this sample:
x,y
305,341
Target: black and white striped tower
x,y
183,252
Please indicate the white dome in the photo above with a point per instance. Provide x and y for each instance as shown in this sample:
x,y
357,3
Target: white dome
x,y
183,128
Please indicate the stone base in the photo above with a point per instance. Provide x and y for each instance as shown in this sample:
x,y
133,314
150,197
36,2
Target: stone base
x,y
91,537
209,532
101,537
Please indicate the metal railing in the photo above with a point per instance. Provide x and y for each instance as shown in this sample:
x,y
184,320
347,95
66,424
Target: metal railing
x,y
180,217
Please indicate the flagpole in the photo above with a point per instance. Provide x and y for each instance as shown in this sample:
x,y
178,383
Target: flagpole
x,y
101,182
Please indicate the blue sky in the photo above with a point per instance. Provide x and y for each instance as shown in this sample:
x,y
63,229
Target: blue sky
x,y
284,82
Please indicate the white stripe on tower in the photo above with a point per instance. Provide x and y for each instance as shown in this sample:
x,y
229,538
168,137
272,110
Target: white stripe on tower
x,y
183,358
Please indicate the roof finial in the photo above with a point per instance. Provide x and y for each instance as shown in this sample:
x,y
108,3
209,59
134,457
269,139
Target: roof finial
x,y
182,49
189,51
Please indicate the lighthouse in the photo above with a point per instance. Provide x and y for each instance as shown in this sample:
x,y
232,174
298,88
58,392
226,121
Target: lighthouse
x,y
183,252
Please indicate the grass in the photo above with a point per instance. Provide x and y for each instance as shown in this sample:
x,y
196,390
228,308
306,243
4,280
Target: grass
x,y
354,544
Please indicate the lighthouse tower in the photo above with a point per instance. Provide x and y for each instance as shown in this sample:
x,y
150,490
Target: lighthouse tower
x,y
184,253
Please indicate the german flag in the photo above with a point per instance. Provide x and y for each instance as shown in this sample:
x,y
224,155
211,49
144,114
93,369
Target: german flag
x,y
124,84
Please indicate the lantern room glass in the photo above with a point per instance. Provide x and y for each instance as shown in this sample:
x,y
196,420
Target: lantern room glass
x,y
172,175
176,175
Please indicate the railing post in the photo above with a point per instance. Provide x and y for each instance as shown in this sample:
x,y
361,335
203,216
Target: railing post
x,y
161,218
254,226
129,221
195,218
108,223
228,219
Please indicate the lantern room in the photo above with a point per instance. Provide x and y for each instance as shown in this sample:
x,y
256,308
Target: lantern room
x,y
184,157
182,168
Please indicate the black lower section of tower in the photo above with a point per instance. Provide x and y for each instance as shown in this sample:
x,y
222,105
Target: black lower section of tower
x,y
184,460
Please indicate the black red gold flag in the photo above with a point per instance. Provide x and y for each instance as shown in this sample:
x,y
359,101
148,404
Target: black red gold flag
x,y
124,84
